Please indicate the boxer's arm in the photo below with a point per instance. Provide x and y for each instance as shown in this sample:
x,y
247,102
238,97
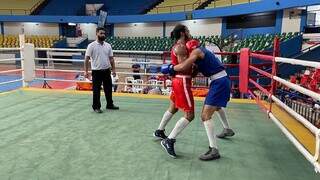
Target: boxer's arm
x,y
186,64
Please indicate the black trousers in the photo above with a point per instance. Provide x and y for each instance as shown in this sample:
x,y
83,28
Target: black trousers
x,y
101,77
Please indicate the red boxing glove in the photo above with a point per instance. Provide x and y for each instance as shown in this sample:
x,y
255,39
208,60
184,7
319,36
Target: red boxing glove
x,y
192,44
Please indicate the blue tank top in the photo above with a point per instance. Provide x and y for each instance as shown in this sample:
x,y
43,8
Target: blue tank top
x,y
210,65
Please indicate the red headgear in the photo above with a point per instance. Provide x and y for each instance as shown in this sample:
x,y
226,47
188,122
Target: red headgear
x,y
192,44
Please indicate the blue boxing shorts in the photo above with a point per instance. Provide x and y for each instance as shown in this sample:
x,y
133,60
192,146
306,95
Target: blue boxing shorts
x,y
219,92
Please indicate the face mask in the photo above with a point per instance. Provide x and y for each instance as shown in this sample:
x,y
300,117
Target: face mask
x,y
101,38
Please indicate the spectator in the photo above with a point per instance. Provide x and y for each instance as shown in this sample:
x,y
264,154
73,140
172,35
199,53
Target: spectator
x,y
235,91
136,69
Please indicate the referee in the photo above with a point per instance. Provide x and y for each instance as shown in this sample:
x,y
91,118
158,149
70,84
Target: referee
x,y
102,64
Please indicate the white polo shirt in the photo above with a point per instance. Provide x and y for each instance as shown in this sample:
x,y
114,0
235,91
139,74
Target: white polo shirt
x,y
100,55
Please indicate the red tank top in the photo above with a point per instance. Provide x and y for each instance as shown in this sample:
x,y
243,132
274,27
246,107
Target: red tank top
x,y
174,61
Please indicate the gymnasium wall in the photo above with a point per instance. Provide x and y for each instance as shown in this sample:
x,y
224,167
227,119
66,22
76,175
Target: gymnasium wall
x,y
31,28
316,9
138,30
291,21
205,27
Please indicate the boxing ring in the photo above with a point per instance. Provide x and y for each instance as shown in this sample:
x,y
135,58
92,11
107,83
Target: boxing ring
x,y
310,152
49,133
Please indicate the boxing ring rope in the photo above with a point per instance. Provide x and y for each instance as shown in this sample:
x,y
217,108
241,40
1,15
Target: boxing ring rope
x,y
13,70
82,61
77,81
25,82
11,59
117,62
13,81
58,59
114,51
245,80
79,71
163,53
10,49
298,62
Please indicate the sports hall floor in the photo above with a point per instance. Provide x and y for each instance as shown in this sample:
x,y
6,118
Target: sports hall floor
x,y
52,134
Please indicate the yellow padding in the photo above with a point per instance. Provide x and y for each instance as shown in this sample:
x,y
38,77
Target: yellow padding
x,y
301,133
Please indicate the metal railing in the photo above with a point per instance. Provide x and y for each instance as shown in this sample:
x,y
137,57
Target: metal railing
x,y
312,114
230,3
195,5
15,11
177,8
19,11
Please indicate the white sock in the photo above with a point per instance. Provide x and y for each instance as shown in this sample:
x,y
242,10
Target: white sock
x,y
180,125
210,133
165,119
223,119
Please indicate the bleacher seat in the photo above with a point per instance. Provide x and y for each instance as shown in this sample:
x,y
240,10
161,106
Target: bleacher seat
x,y
43,41
19,7
168,6
224,3
259,42
155,43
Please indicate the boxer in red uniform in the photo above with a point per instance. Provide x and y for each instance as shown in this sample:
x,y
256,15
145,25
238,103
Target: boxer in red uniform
x,y
181,95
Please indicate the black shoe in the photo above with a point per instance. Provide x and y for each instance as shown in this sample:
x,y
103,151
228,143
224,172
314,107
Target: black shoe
x,y
212,154
168,145
159,134
97,111
113,107
225,133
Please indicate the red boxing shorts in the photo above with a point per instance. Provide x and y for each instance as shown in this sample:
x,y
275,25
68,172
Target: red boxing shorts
x,y
181,94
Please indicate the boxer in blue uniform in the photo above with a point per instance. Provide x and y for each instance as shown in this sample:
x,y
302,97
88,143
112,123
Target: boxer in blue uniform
x,y
219,92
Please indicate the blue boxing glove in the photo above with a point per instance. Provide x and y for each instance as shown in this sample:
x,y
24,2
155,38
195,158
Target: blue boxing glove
x,y
167,69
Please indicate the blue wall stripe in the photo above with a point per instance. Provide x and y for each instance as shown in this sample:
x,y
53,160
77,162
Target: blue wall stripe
x,y
250,8
278,27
